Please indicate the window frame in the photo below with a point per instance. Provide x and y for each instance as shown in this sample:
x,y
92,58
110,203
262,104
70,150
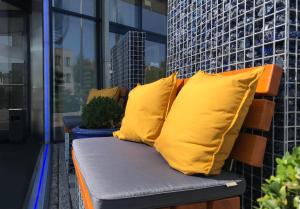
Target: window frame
x,y
98,39
141,18
98,21
150,36
68,61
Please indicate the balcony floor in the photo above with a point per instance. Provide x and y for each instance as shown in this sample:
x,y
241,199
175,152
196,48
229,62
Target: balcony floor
x,y
17,163
62,188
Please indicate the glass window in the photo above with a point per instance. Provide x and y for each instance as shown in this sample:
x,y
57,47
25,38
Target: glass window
x,y
13,64
155,61
68,61
124,12
57,60
155,16
154,56
87,7
128,60
75,44
113,39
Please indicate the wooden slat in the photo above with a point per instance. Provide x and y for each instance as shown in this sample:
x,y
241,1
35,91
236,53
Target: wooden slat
x,y
229,203
123,96
249,149
268,84
179,84
260,114
123,92
192,206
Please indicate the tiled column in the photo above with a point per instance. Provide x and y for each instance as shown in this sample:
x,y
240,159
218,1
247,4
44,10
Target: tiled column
x,y
222,35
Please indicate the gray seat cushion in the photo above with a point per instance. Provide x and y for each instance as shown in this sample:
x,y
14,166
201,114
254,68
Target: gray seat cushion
x,y
121,174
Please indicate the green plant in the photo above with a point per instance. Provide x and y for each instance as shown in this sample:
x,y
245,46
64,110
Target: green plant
x,y
282,191
102,112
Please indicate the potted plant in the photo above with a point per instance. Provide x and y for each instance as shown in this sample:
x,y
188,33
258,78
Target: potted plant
x,y
100,117
282,191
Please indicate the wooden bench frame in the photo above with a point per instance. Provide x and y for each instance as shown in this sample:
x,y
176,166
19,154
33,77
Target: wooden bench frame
x,y
249,148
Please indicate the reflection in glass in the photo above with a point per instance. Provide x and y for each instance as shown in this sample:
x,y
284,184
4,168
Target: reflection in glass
x,y
87,7
36,65
74,62
124,12
155,61
128,60
13,78
155,16
113,39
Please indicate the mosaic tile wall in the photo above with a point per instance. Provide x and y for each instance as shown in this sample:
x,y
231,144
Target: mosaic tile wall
x,y
222,35
128,60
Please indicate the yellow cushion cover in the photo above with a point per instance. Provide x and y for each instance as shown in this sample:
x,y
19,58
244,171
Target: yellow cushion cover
x,y
205,119
113,93
146,110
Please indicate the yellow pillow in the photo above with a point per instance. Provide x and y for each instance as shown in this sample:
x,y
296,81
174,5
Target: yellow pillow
x,y
146,110
113,93
205,119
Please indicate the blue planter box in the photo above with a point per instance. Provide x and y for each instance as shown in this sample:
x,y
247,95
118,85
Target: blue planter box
x,y
79,133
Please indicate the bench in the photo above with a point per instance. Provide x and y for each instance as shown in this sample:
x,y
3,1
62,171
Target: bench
x,y
73,121
114,174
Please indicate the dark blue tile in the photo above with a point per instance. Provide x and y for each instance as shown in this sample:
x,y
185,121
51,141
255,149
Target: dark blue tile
x,y
278,148
279,133
291,133
279,119
267,172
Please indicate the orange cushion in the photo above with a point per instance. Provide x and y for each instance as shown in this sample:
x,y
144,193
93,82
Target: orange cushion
x,y
113,93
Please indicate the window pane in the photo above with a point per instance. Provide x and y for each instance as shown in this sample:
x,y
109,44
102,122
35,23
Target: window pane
x,y
155,16
128,60
113,39
74,63
12,96
13,63
155,61
150,61
124,12
87,7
